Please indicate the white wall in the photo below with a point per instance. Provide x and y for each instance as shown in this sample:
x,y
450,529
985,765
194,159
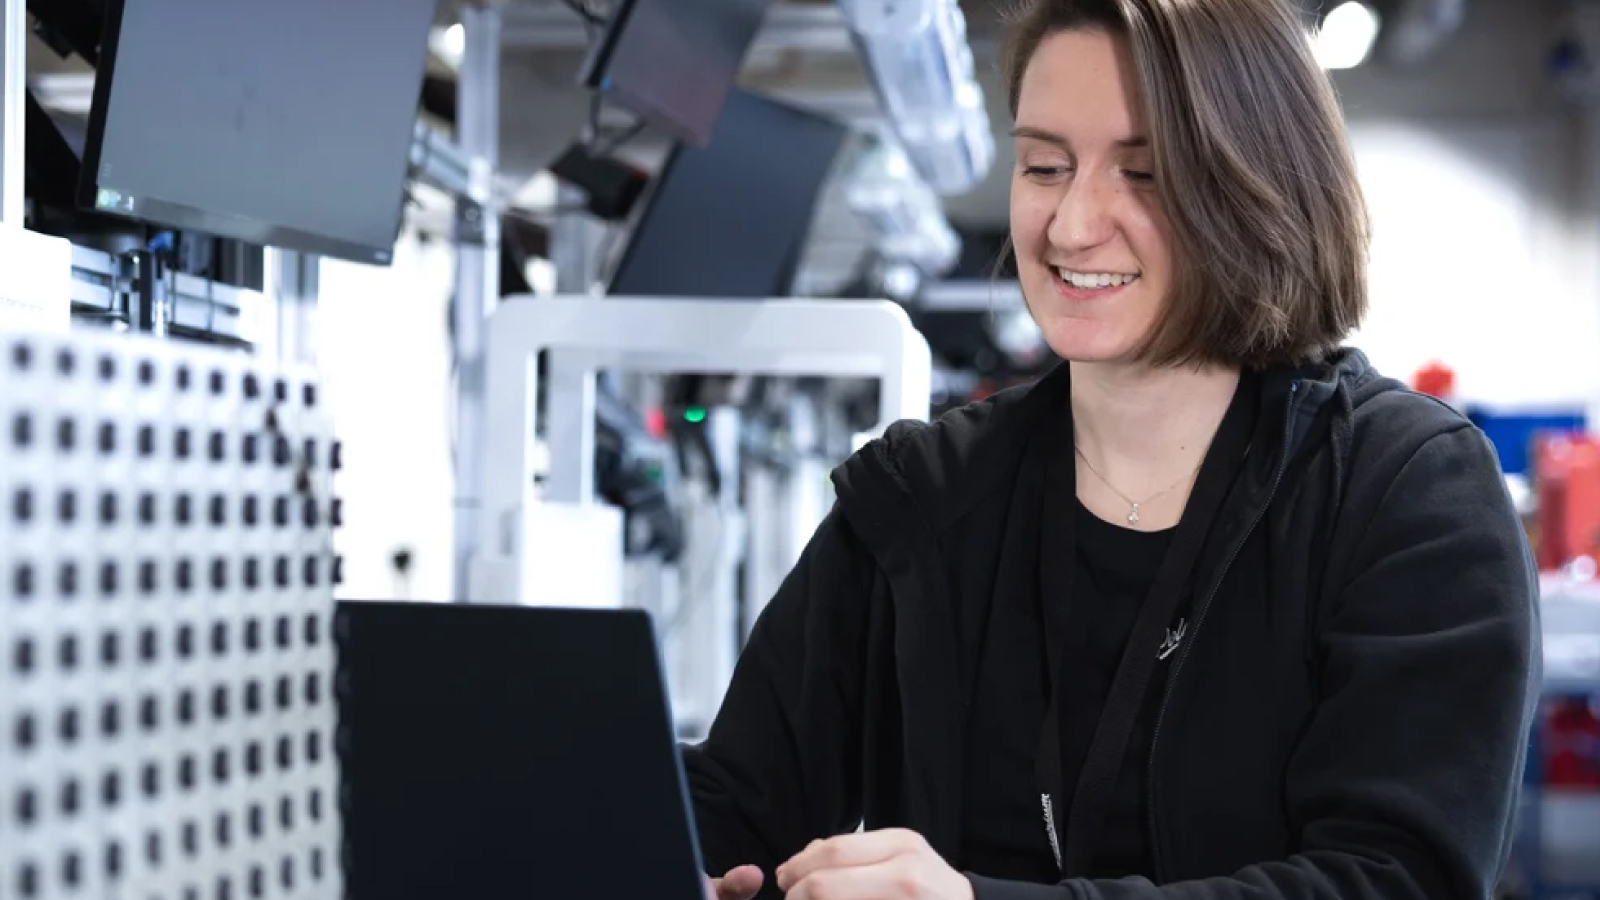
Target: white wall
x,y
384,355
1478,259
1485,250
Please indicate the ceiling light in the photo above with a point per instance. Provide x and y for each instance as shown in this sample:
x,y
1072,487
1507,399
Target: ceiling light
x,y
449,44
1346,37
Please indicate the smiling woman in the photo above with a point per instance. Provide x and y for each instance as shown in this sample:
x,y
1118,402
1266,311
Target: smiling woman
x,y
1213,611
1151,136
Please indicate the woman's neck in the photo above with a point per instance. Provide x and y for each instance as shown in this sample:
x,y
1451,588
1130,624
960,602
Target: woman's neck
x,y
1142,428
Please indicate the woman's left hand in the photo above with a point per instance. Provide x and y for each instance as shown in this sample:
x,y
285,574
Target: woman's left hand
x,y
893,864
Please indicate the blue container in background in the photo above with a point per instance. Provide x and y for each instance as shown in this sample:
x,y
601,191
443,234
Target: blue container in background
x,y
1511,430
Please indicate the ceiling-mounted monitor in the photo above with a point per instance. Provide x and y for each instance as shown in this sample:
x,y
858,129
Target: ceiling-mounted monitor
x,y
285,123
674,61
731,220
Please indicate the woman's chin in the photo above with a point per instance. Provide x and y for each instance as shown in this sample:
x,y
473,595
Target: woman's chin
x,y
1075,343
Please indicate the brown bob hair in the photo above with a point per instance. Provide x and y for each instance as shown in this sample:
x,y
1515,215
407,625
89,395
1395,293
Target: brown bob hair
x,y
1252,165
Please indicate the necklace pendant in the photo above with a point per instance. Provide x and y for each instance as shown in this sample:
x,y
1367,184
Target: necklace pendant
x,y
1133,515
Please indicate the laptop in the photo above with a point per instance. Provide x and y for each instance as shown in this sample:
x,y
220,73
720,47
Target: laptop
x,y
509,752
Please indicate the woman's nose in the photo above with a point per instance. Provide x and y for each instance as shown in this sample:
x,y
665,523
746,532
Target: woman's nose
x,y
1083,217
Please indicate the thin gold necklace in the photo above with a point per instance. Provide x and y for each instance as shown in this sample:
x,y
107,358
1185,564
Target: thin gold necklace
x,y
1133,505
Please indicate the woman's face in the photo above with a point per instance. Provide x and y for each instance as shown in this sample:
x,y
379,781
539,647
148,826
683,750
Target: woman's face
x,y
1091,241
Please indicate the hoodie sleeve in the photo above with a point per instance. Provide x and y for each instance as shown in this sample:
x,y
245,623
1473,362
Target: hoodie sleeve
x,y
1406,781
782,763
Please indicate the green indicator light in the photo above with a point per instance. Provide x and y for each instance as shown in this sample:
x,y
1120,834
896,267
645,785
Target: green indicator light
x,y
694,414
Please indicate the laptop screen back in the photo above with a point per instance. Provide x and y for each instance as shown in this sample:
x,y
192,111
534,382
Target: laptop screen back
x,y
509,752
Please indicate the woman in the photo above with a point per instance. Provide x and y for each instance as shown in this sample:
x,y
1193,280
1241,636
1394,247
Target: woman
x,y
1213,610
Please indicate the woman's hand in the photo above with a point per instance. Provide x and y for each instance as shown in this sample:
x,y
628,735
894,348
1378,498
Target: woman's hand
x,y
893,864
739,884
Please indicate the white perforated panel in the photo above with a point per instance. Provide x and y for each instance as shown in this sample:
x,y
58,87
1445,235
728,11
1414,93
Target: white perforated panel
x,y
166,573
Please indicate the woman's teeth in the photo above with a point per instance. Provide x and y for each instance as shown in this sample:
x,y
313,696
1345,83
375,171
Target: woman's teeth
x,y
1094,279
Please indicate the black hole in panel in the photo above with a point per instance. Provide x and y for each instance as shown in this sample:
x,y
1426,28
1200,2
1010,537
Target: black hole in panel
x,y
110,789
67,726
25,732
27,806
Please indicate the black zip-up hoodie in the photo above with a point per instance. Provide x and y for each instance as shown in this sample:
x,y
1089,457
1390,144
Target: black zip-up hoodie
x,y
1347,717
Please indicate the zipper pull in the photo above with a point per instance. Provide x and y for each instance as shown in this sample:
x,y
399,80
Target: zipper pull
x,y
1050,830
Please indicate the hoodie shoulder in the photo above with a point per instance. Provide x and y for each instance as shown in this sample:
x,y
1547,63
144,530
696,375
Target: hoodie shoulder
x,y
943,467
1387,415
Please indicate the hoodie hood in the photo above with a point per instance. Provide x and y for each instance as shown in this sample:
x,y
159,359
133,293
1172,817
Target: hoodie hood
x,y
919,477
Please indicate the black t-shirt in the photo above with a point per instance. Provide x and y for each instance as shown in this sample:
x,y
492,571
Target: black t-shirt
x,y
1003,832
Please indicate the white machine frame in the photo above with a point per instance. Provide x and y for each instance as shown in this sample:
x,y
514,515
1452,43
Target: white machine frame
x,y
829,338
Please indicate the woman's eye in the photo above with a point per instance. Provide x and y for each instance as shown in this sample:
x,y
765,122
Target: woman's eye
x,y
1044,171
1139,177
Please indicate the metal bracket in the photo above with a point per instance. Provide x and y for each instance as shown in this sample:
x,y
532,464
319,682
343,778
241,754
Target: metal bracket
x,y
851,339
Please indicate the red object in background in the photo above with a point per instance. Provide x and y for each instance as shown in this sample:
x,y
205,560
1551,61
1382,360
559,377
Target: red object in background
x,y
1570,733
1567,473
655,422
1436,380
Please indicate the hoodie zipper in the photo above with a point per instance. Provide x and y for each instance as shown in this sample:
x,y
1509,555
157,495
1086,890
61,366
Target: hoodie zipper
x,y
1050,829
1199,622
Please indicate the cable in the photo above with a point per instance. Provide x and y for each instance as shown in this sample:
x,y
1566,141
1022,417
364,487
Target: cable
x,y
697,579
623,136
589,16
594,137
543,217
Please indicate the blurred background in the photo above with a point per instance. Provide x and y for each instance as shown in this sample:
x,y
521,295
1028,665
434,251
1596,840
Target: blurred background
x,y
550,157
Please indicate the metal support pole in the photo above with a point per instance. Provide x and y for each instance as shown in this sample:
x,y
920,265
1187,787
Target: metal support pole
x,y
13,90
575,244
294,280
477,282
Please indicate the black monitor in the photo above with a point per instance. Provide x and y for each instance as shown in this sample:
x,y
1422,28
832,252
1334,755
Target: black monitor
x,y
731,220
674,61
284,123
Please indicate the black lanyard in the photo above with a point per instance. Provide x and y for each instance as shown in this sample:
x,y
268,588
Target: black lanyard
x,y
1073,829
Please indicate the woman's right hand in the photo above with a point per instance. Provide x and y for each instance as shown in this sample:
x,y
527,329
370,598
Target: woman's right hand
x,y
739,884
